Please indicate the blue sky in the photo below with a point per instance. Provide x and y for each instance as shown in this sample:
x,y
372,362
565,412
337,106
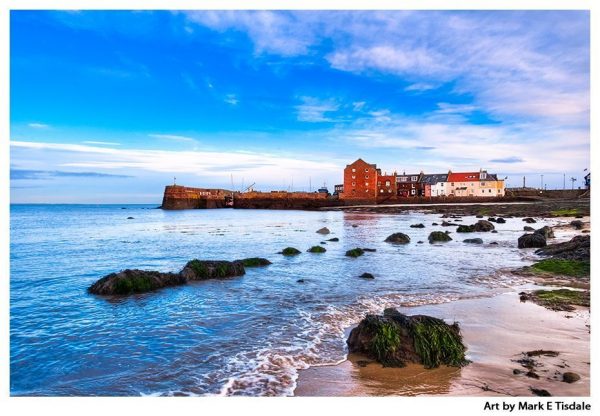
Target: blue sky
x,y
109,106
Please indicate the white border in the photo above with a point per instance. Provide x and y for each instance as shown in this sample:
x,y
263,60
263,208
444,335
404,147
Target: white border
x,y
265,406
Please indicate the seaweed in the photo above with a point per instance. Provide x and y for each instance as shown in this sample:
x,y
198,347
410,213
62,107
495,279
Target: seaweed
x,y
437,343
564,267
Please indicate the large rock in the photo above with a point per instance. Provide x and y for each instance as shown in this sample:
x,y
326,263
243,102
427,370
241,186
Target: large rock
x,y
578,248
546,231
323,230
131,281
398,238
532,240
479,226
395,339
212,269
438,236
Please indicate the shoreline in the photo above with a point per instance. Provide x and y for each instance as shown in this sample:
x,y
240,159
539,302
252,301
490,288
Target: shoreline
x,y
493,371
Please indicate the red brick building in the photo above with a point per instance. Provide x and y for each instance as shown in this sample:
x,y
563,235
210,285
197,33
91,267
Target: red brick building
x,y
386,185
410,185
360,180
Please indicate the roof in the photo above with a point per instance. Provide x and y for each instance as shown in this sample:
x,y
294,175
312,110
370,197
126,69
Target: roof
x,y
362,161
463,176
434,178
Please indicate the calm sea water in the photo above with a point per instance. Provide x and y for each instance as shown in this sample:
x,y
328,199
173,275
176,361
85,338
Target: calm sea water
x,y
242,336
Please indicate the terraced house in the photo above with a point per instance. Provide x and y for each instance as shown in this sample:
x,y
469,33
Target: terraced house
x,y
409,185
474,184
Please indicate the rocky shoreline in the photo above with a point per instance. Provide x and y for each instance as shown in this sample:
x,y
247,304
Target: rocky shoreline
x,y
564,264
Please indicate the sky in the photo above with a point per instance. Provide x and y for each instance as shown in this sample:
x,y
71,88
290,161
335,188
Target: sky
x,y
111,106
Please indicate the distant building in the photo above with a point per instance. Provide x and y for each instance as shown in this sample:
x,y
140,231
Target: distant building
x,y
386,185
338,189
474,184
409,185
360,180
434,184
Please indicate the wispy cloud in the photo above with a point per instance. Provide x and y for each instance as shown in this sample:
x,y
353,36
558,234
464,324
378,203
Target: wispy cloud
x,y
172,137
231,99
316,110
511,159
101,143
38,125
30,174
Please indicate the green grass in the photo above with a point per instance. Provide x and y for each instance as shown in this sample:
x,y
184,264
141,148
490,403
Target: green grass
x,y
565,212
575,268
290,251
255,262
317,249
199,268
558,299
355,252
138,284
385,342
438,344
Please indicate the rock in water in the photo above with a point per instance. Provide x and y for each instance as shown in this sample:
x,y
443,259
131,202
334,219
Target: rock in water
x,y
438,236
532,240
417,226
131,281
464,229
367,276
398,238
483,226
355,252
546,231
528,228
529,220
212,269
323,230
255,262
317,249
289,251
500,220
473,241
577,224
334,239
395,339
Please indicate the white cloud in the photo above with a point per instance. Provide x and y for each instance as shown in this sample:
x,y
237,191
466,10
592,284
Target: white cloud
x,y
102,143
231,99
260,167
316,110
172,137
38,125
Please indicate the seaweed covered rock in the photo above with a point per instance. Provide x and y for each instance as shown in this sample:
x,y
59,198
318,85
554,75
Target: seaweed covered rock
x,y
317,249
289,251
417,226
578,248
531,240
479,226
546,231
398,238
255,262
577,224
129,281
355,252
438,236
500,220
464,229
395,339
212,269
529,220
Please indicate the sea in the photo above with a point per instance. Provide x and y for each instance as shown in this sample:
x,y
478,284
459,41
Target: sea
x,y
248,335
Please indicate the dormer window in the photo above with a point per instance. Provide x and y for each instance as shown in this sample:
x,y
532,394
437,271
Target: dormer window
x,y
414,178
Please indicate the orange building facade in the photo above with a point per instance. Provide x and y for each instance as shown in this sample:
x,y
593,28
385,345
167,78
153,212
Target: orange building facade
x,y
360,180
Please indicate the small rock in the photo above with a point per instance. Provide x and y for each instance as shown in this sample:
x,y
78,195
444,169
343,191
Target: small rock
x,y
500,220
367,276
438,236
370,250
289,251
532,374
398,238
419,242
491,219
516,371
317,249
577,224
434,223
355,252
417,226
570,377
531,240
540,392
334,239
354,225
494,231
528,228
130,218
529,220
473,241
478,216
323,230
300,281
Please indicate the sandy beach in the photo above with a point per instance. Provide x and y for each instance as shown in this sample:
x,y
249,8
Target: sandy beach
x,y
497,331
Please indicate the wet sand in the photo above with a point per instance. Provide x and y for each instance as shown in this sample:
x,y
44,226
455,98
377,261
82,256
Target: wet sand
x,y
496,330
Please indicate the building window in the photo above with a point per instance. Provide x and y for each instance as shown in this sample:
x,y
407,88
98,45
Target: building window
x,y
367,177
388,183
366,190
353,183
366,183
353,170
403,179
366,170
353,176
452,184
412,192
482,183
482,191
489,190
413,178
381,190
